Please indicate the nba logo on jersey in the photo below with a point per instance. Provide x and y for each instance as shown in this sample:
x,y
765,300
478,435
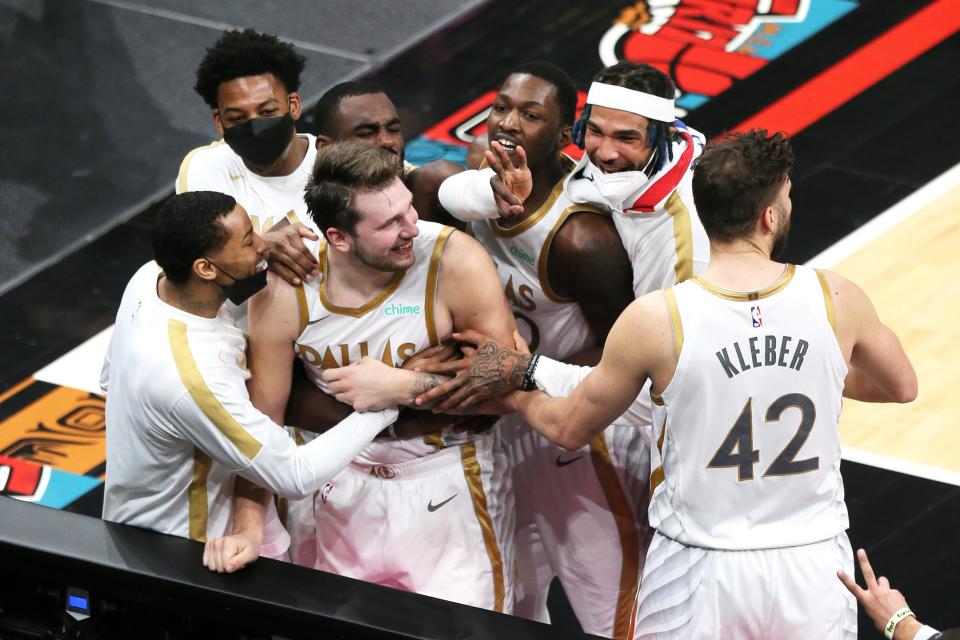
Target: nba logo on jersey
x,y
756,317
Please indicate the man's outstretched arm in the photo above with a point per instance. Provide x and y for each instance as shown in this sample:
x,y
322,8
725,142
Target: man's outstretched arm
x,y
639,345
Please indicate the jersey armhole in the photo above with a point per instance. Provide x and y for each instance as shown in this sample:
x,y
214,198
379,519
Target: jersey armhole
x,y
828,302
542,269
303,309
433,283
676,324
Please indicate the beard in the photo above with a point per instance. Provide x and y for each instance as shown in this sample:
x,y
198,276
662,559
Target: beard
x,y
780,241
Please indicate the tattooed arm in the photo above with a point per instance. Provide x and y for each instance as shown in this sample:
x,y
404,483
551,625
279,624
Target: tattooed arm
x,y
487,370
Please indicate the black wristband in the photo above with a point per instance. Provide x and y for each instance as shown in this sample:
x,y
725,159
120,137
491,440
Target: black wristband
x,y
528,383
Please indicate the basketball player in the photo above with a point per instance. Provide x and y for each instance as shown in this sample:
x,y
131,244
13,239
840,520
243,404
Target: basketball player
x,y
748,364
362,111
180,425
424,513
250,81
567,277
638,164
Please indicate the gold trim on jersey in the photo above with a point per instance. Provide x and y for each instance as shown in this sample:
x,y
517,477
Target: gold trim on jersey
x,y
682,236
542,273
658,475
185,165
356,312
776,287
207,402
536,216
623,517
302,308
434,439
676,323
828,301
433,282
471,471
292,217
197,496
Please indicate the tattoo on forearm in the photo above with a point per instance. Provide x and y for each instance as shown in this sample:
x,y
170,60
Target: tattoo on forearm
x,y
498,369
425,382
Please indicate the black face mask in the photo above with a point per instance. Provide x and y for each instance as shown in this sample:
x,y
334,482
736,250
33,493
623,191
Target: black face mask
x,y
260,141
241,289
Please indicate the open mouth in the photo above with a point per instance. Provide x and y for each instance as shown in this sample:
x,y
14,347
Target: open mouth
x,y
403,249
508,144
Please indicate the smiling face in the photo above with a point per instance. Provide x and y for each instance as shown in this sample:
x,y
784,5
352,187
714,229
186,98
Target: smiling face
x,y
526,113
243,249
617,140
383,236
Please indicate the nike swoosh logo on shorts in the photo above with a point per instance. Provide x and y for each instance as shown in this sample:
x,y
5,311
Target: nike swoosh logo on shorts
x,y
433,507
563,463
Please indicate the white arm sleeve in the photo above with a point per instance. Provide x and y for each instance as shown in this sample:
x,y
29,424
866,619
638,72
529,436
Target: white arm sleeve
x,y
925,633
222,422
468,195
559,379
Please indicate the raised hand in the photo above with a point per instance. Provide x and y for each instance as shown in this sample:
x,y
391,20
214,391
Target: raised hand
x,y
513,181
879,601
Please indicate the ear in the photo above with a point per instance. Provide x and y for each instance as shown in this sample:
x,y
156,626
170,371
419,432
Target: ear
x,y
339,240
565,137
295,106
769,220
204,269
217,123
323,140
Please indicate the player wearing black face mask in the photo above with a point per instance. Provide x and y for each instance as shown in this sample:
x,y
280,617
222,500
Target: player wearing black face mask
x,y
261,141
250,81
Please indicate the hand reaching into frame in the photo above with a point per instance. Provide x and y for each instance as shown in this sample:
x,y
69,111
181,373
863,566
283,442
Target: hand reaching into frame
x,y
879,601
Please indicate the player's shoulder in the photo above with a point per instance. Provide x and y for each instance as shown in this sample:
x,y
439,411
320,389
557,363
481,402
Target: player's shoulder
x,y
212,163
587,231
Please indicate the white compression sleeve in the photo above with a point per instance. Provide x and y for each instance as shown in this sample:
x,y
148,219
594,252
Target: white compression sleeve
x,y
296,472
468,195
559,379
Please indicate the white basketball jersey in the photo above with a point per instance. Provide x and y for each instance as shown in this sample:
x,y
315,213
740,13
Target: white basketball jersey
x,y
552,325
393,326
658,223
747,449
267,200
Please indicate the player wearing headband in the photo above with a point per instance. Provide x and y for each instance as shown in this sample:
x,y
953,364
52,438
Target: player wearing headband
x,y
639,162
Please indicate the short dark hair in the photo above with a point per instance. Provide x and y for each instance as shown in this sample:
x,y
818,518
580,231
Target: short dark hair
x,y
736,178
566,95
647,79
238,54
341,171
328,108
188,227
